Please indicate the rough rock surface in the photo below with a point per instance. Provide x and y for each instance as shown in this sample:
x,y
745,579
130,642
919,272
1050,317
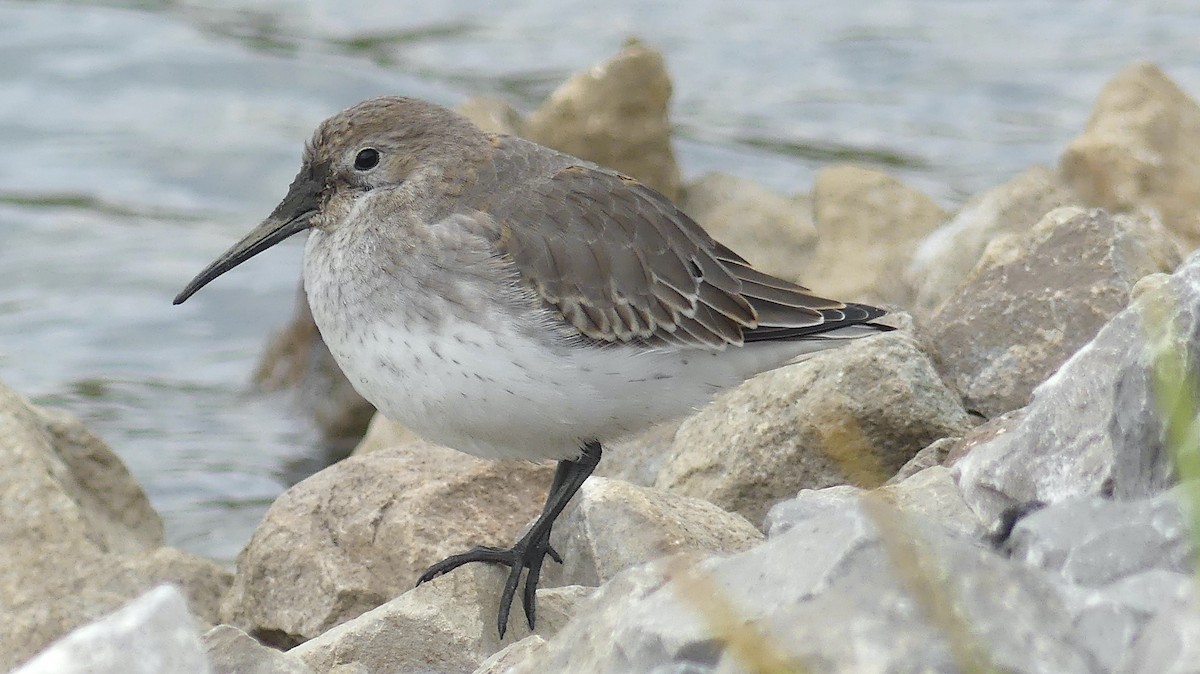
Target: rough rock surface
x,y
232,651
615,114
446,625
818,583
855,414
947,255
151,635
512,654
1094,541
1036,297
869,224
492,115
78,537
359,533
1170,644
773,231
1141,151
930,493
612,525
1093,427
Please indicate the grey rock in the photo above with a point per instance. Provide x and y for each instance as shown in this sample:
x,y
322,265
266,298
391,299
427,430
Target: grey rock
x,y
232,651
1094,541
830,585
931,494
1141,151
1092,428
869,224
615,114
833,419
949,253
359,533
152,634
773,231
78,538
1037,297
1170,644
809,504
446,625
509,656
612,525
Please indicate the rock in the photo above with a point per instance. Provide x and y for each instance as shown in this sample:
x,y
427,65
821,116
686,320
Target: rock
x,y
612,525
949,253
1170,644
512,654
359,533
931,494
639,459
830,586
1093,541
492,115
810,504
935,454
772,231
1036,297
854,414
1141,151
78,538
296,358
615,114
63,484
446,625
1093,427
232,651
383,433
152,634
869,225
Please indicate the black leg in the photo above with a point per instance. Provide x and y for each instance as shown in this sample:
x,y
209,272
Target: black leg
x,y
534,546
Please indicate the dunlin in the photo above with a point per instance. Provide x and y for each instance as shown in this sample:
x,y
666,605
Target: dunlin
x,y
515,302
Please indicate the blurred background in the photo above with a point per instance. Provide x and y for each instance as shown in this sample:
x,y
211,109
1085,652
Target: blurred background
x,y
139,139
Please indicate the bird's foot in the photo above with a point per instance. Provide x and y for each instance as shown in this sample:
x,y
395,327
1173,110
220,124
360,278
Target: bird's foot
x,y
528,553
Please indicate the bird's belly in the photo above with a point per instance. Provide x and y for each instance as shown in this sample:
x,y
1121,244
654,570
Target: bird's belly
x,y
496,393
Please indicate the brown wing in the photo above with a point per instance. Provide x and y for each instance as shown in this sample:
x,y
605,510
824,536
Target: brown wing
x,y
623,264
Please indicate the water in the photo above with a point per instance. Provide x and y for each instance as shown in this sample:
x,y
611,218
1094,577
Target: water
x,y
140,139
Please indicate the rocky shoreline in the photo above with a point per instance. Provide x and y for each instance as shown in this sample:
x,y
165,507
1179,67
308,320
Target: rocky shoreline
x,y
840,515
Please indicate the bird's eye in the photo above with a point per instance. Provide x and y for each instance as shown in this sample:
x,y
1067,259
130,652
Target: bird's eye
x,y
367,159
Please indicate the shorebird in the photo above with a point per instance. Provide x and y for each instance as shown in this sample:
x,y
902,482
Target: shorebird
x,y
514,302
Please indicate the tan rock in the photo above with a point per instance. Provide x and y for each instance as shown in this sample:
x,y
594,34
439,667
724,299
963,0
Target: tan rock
x,y
615,114
1035,298
78,538
1141,151
359,533
492,115
511,655
613,525
854,414
232,651
948,254
446,625
869,225
773,231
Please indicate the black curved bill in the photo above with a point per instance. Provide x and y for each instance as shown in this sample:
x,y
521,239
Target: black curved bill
x,y
292,216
